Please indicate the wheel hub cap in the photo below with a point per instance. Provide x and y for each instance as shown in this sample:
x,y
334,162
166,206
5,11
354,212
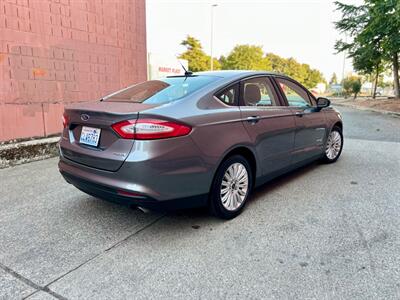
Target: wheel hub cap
x,y
234,186
333,145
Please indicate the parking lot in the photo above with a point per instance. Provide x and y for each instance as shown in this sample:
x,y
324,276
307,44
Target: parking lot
x,y
323,232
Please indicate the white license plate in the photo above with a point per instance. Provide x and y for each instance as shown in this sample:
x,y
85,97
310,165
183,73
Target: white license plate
x,y
90,136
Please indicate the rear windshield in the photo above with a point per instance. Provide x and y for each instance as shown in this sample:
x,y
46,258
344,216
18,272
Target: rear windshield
x,y
162,91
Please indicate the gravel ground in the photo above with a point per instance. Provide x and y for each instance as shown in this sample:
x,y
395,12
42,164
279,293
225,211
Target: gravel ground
x,y
386,105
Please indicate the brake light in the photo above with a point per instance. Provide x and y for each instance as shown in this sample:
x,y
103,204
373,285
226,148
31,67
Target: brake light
x,y
150,129
125,129
64,120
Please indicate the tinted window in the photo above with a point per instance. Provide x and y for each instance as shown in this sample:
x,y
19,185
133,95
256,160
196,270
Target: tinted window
x,y
295,94
229,95
162,91
258,92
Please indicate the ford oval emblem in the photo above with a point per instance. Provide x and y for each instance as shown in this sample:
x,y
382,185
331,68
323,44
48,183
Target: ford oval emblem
x,y
85,117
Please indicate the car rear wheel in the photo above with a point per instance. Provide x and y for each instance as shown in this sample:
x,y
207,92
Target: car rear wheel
x,y
231,187
334,145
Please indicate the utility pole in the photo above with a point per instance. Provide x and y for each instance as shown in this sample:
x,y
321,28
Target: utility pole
x,y
212,35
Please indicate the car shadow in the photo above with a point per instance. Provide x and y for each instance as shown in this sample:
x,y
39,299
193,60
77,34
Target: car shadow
x,y
201,214
171,226
284,179
259,192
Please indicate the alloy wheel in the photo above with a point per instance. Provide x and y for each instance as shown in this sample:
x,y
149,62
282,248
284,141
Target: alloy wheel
x,y
333,145
234,186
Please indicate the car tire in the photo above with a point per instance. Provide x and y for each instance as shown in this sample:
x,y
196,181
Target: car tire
x,y
333,146
231,187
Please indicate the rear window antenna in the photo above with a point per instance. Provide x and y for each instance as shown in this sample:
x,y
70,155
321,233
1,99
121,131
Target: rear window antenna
x,y
187,73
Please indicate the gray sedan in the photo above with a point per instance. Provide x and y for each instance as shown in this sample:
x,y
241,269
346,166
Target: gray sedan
x,y
199,139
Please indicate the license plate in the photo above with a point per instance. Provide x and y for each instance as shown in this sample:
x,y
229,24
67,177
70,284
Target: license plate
x,y
90,136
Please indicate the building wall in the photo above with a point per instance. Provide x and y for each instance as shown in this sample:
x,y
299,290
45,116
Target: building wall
x,y
56,52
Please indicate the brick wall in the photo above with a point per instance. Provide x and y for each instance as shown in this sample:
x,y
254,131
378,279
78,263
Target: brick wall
x,y
57,52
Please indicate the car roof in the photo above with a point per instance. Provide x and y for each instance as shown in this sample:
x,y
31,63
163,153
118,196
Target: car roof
x,y
236,73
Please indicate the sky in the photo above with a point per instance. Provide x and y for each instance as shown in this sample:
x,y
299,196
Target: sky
x,y
289,28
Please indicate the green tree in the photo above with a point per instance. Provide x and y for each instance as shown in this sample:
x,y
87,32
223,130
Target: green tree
x,y
367,57
311,77
246,57
301,72
356,87
374,30
278,64
197,58
222,62
216,63
385,22
250,57
352,85
333,79
369,60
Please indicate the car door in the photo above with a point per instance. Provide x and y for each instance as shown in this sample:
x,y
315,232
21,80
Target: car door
x,y
310,121
270,125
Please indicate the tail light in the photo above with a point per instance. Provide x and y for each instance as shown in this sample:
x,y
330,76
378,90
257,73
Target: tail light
x,y
65,120
150,129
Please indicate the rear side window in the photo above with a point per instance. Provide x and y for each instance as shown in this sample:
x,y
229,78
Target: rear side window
x,y
229,95
161,91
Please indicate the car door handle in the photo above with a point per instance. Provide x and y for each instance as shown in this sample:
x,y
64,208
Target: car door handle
x,y
299,113
253,119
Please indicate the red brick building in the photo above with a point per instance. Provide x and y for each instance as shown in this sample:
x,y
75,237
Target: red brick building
x,y
55,52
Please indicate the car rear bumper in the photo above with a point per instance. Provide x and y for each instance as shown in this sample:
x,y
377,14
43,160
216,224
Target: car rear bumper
x,y
163,169
158,174
113,194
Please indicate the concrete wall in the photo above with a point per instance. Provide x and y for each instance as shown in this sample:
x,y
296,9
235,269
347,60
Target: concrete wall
x,y
57,52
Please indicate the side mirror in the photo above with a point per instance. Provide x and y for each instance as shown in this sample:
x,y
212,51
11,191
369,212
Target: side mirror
x,y
323,102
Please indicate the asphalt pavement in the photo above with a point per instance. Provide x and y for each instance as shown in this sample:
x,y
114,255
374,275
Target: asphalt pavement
x,y
321,232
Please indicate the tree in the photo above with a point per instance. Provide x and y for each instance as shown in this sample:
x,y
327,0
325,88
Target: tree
x,y
250,57
312,76
246,57
373,28
333,79
369,60
301,72
216,63
367,56
356,87
222,62
197,58
352,85
385,15
278,64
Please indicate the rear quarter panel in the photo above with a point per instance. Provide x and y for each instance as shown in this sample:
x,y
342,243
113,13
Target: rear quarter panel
x,y
217,129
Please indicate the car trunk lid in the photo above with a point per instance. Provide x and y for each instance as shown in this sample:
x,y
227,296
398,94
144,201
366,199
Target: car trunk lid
x,y
111,150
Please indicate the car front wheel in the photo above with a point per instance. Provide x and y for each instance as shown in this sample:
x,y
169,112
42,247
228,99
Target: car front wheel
x,y
231,187
334,145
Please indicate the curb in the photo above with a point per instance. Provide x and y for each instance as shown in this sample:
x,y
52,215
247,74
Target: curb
x,y
386,112
27,151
